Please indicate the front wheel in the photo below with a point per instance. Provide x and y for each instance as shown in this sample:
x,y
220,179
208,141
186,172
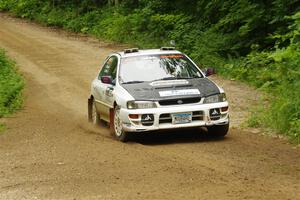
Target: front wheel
x,y
218,131
117,128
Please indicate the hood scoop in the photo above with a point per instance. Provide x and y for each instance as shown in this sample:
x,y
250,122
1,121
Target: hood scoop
x,y
173,86
169,83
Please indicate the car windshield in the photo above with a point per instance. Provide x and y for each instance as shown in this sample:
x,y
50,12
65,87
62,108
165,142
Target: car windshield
x,y
157,67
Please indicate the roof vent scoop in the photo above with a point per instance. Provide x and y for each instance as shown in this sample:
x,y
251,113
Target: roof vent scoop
x,y
167,48
132,50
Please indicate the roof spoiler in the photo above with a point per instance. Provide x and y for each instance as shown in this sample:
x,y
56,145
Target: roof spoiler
x,y
167,48
132,50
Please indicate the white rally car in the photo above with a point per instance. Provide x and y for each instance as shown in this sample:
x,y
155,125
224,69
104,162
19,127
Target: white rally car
x,y
146,90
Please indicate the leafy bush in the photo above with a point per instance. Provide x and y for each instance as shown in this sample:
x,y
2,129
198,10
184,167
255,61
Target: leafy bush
x,y
278,73
8,5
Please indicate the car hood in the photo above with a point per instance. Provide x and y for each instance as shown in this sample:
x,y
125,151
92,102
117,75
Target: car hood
x,y
172,89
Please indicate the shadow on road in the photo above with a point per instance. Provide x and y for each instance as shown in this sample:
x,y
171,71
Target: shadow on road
x,y
162,137
175,136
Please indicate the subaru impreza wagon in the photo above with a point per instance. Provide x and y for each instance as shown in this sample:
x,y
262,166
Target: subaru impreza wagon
x,y
146,90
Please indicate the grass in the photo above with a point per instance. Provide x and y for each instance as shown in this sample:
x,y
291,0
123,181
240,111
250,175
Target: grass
x,y
11,87
2,128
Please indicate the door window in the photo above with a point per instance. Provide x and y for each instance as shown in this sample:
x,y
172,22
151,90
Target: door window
x,y
109,68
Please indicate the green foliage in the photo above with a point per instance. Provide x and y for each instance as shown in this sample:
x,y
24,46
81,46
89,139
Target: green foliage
x,y
278,72
2,128
8,5
11,85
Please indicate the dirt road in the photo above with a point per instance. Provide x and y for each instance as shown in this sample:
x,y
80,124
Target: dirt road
x,y
50,152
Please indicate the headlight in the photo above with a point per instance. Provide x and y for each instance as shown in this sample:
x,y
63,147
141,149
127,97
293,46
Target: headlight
x,y
215,98
140,104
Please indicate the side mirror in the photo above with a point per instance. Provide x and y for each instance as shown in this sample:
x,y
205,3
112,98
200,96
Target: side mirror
x,y
106,79
209,71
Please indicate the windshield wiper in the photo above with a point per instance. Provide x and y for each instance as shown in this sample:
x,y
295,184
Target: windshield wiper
x,y
132,82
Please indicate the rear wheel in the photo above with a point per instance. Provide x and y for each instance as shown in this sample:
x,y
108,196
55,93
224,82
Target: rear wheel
x,y
218,131
117,128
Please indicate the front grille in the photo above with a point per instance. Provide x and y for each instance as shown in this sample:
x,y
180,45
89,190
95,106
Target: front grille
x,y
167,117
198,115
168,102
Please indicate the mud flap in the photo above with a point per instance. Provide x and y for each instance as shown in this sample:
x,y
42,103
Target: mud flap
x,y
111,118
90,108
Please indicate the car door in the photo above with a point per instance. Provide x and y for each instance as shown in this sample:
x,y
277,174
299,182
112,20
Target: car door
x,y
103,89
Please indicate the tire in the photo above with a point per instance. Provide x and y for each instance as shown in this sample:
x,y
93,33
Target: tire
x,y
116,127
95,116
218,131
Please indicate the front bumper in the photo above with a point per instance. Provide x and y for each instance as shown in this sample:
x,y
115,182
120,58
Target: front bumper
x,y
200,112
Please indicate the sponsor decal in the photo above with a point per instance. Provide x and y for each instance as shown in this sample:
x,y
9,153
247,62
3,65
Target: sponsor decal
x,y
169,93
147,117
215,112
172,56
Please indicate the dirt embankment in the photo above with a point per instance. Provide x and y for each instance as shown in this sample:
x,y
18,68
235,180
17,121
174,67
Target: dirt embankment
x,y
50,152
